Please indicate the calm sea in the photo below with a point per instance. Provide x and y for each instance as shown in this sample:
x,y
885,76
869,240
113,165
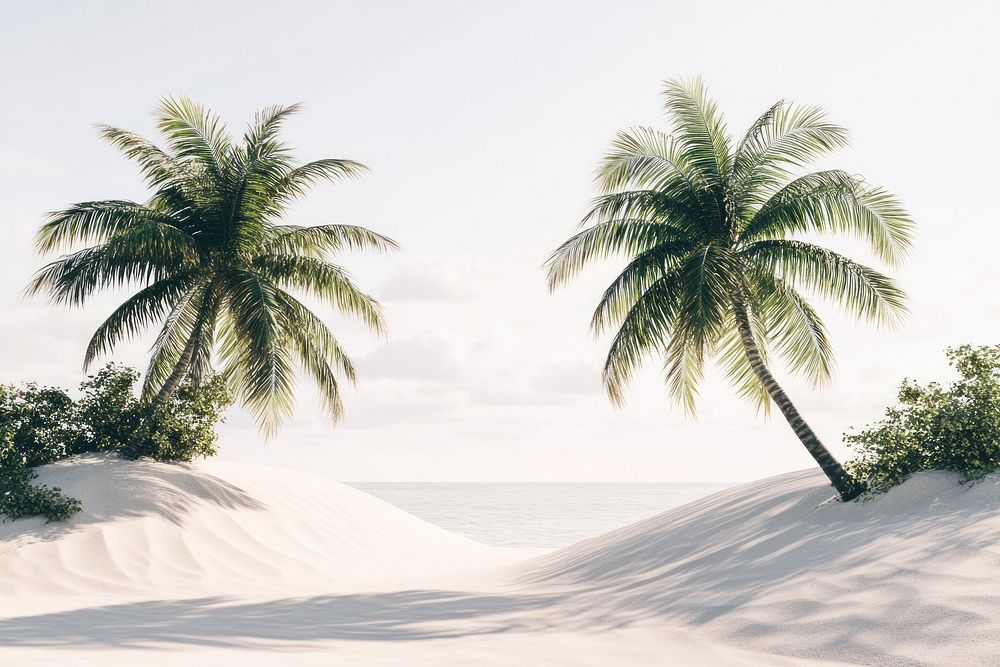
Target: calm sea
x,y
535,515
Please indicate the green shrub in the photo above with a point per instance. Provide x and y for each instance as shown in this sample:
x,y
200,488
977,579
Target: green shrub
x,y
184,428
936,427
21,498
181,429
36,427
108,412
40,425
18,497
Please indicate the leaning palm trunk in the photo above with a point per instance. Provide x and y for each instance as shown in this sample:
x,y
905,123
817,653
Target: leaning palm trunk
x,y
846,486
135,447
177,376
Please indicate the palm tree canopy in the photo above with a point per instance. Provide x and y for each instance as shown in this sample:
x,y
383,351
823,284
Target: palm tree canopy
x,y
710,226
211,262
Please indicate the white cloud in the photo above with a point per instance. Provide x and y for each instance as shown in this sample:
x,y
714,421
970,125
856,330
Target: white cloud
x,y
422,358
430,281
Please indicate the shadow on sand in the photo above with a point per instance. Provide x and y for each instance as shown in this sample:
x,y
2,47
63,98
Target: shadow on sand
x,y
130,489
223,622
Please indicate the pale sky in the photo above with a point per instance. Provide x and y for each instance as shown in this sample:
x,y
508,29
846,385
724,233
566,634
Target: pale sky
x,y
483,123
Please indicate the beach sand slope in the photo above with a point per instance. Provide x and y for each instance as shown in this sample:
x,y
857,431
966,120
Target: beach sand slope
x,y
231,564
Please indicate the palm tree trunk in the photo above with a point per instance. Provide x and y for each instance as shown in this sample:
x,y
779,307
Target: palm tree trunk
x,y
134,448
846,486
179,373
205,318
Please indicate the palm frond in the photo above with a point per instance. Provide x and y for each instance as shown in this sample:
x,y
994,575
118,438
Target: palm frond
x,y
645,330
320,240
256,344
147,253
320,355
156,166
835,201
784,138
637,277
798,332
303,321
94,222
684,368
753,135
325,281
709,278
297,182
646,159
180,329
699,128
261,136
204,341
316,365
139,311
194,133
860,290
629,237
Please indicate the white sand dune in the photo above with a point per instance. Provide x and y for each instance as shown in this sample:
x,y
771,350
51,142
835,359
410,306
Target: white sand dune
x,y
214,527
216,563
912,577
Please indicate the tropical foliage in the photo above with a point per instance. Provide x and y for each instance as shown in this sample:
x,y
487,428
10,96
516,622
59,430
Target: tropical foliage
x,y
35,428
40,425
211,264
20,498
935,427
717,267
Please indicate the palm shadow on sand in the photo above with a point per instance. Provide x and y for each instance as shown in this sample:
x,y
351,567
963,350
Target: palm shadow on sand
x,y
285,623
166,490
770,566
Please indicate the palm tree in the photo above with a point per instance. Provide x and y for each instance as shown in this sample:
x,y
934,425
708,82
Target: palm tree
x,y
212,263
715,269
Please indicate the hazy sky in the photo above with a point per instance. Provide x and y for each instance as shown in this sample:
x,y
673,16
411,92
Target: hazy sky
x,y
483,123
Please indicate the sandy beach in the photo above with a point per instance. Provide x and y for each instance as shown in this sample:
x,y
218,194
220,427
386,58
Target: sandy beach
x,y
238,564
578,334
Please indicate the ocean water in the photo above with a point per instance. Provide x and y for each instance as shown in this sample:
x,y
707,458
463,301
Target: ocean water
x,y
536,515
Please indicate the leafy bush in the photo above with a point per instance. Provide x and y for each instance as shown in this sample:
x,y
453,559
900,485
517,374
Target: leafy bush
x,y
20,498
181,429
184,428
38,422
108,413
40,425
36,427
935,427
